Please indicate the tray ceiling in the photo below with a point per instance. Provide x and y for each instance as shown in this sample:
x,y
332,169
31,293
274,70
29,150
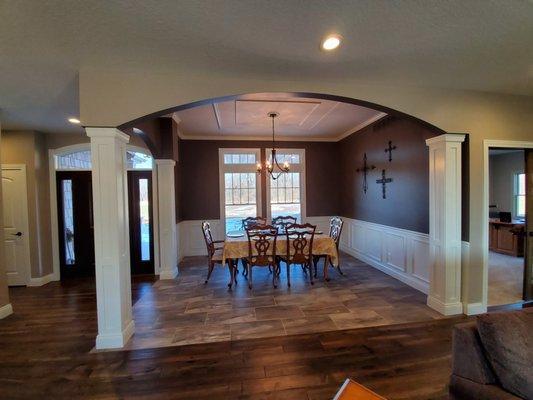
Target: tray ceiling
x,y
299,119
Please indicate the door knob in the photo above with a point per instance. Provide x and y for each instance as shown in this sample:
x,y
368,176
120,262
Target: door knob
x,y
19,234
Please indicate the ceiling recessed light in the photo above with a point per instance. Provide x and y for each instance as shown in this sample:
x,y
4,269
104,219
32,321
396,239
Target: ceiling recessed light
x,y
74,121
331,42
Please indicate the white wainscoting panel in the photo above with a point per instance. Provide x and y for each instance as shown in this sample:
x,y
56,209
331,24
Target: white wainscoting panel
x,y
398,252
191,240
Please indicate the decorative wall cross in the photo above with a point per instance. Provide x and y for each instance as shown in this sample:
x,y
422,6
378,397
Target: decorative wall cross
x,y
364,169
384,182
389,150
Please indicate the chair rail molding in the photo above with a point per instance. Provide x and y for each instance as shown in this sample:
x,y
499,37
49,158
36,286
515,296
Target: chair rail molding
x,y
111,237
445,223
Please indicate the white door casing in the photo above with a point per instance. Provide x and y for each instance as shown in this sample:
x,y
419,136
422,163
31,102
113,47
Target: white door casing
x,y
15,224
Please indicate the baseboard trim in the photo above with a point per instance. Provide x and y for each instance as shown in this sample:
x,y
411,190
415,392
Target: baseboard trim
x,y
475,309
414,283
168,274
42,280
6,311
115,340
445,308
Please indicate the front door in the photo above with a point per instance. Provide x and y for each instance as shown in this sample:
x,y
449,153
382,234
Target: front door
x,y
141,222
15,211
528,251
76,228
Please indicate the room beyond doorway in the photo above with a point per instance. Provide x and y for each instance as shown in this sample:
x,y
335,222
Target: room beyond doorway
x,y
508,263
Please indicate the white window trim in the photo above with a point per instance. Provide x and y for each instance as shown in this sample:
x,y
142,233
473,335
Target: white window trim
x,y
223,168
293,168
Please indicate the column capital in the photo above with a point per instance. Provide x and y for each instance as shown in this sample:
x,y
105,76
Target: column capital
x,y
165,161
446,138
104,132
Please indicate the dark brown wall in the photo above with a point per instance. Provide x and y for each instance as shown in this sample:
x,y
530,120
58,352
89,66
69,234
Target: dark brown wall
x,y
199,176
407,202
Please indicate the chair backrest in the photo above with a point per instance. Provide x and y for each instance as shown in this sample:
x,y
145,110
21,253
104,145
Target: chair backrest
x,y
206,230
253,221
335,229
299,243
262,244
283,221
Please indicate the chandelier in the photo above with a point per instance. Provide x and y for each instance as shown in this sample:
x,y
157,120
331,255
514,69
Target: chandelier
x,y
271,164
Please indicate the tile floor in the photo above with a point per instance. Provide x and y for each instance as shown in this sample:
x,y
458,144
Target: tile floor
x,y
187,311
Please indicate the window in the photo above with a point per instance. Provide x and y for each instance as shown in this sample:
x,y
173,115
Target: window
x,y
137,160
285,195
81,160
239,188
74,160
520,194
68,221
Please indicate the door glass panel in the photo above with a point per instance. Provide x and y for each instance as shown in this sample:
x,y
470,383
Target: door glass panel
x,y
285,195
240,198
68,221
144,219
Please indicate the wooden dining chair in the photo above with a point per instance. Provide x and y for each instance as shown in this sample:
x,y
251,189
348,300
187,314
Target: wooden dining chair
x,y
262,241
253,221
282,221
247,222
214,250
299,239
335,231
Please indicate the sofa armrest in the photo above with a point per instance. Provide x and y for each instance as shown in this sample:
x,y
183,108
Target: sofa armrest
x,y
469,360
465,389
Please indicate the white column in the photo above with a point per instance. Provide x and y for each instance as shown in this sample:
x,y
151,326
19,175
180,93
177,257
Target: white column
x,y
111,237
445,223
166,202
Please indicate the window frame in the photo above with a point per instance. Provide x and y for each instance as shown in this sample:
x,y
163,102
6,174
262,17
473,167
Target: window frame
x,y
293,168
237,168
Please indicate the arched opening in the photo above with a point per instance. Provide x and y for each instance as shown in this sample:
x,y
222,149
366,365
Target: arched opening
x,y
367,164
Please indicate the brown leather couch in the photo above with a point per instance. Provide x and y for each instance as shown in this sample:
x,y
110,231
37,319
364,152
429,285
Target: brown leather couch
x,y
493,357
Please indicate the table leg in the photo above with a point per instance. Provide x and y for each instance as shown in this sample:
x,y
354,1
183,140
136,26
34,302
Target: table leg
x,y
326,264
231,266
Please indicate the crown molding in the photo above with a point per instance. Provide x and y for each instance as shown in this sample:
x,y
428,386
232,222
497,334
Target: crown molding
x,y
362,125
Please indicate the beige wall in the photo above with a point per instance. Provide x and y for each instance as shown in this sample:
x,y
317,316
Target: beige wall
x,y
4,293
111,98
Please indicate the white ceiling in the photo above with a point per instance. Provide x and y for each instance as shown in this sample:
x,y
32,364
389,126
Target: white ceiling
x,y
483,45
299,118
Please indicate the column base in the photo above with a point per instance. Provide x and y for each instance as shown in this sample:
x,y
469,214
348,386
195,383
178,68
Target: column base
x,y
115,340
168,273
445,308
6,311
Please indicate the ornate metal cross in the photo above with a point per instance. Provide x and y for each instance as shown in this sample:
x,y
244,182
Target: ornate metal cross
x,y
384,182
364,169
389,150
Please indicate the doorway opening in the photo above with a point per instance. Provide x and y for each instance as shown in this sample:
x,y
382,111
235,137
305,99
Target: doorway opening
x,y
509,267
73,194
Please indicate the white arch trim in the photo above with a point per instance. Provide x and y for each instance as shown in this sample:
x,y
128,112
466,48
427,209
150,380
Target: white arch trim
x,y
52,154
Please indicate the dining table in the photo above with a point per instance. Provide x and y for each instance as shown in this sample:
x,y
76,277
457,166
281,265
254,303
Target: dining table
x,y
236,247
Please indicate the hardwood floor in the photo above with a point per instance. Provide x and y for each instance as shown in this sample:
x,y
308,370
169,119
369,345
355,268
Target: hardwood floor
x,y
187,311
45,353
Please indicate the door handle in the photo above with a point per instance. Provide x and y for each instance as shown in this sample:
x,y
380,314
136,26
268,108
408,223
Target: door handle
x,y
19,234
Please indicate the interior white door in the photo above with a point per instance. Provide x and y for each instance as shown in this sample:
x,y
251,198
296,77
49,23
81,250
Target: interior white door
x,y
15,211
